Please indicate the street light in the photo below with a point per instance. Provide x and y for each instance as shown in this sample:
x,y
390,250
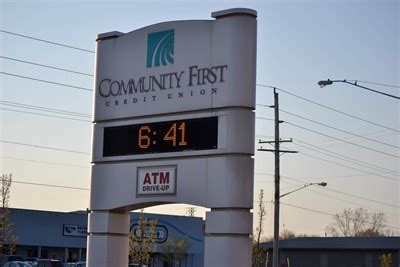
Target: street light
x,y
324,83
276,222
323,184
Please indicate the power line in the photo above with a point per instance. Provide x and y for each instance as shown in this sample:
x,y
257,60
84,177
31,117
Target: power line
x,y
346,194
343,165
267,174
264,136
333,215
91,51
326,213
45,81
356,140
371,200
330,108
46,115
317,177
45,162
382,84
347,142
265,119
336,191
340,199
46,41
337,129
353,203
44,147
336,176
361,163
46,66
41,108
50,185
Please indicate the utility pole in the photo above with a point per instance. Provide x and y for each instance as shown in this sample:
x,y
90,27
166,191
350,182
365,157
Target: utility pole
x,y
277,151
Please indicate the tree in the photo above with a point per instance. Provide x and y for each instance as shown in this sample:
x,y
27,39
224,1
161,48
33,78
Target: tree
x,y
287,234
386,260
358,223
174,250
259,253
143,240
6,226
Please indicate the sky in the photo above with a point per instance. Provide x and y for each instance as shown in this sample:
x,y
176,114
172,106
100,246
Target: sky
x,y
299,43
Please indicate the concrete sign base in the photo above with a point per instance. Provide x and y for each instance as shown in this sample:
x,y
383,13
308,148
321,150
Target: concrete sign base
x,y
227,241
108,243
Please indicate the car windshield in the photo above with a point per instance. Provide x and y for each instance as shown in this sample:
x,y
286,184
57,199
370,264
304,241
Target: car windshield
x,y
16,264
47,263
15,258
50,264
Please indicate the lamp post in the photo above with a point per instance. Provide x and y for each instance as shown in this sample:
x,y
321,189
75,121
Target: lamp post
x,y
276,224
324,83
323,184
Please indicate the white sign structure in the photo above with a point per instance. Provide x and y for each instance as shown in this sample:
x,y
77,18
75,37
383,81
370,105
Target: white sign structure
x,y
174,123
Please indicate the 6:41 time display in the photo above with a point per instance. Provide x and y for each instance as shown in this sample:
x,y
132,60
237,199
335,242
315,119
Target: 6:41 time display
x,y
161,137
144,138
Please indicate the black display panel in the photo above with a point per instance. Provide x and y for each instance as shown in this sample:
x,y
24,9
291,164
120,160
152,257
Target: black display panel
x,y
161,137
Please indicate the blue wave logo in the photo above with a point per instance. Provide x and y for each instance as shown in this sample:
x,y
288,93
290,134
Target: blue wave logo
x,y
160,48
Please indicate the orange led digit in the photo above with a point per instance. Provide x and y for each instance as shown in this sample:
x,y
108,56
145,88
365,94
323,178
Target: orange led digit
x,y
183,129
171,135
143,139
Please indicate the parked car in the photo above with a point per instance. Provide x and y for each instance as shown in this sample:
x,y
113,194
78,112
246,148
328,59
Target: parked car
x,y
7,258
31,259
75,264
47,263
16,264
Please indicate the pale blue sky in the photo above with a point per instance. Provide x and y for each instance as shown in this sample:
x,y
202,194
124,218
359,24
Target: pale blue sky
x,y
299,43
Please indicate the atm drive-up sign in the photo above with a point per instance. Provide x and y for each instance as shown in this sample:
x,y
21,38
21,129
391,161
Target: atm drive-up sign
x,y
156,180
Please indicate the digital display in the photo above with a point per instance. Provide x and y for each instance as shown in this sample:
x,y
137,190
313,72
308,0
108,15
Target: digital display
x,y
161,137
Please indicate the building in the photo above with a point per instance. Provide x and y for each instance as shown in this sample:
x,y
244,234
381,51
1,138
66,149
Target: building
x,y
59,235
336,251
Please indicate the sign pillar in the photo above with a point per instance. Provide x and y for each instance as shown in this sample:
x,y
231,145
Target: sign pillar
x,y
108,243
174,122
227,241
228,229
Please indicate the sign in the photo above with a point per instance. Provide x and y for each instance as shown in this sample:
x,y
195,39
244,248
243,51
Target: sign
x,y
175,67
161,137
174,122
160,233
156,180
75,230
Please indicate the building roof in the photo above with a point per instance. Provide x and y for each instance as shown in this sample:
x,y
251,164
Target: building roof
x,y
350,243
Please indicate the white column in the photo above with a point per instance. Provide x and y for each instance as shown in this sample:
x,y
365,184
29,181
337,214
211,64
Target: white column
x,y
368,260
108,244
66,255
227,242
324,259
39,252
